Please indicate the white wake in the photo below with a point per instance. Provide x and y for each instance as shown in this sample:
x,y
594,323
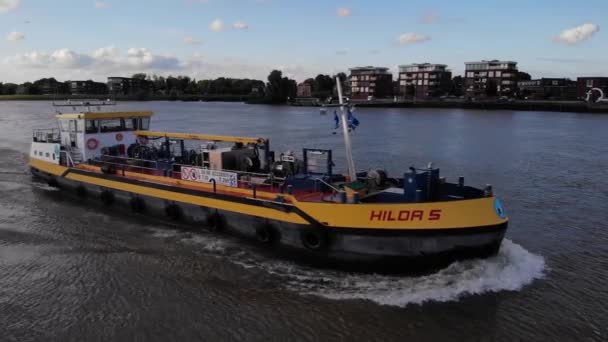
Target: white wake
x,y
512,269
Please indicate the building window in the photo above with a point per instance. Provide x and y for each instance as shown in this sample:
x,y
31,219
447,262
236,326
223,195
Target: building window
x,y
589,83
491,74
419,82
426,82
498,73
470,74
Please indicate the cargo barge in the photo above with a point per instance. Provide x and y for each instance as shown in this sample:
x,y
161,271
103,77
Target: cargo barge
x,y
296,205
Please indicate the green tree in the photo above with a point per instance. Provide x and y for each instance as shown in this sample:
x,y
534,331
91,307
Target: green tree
x,y
523,76
274,87
457,85
9,89
139,76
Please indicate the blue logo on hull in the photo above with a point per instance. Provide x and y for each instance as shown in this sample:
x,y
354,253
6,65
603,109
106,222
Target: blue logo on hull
x,y
499,210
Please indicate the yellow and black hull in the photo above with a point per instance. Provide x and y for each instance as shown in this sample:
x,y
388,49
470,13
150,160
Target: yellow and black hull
x,y
372,237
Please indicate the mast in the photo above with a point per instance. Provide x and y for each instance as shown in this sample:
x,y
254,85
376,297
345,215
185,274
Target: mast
x,y
352,173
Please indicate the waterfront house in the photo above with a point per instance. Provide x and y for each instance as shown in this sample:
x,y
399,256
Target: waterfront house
x,y
584,84
490,78
424,80
370,82
548,89
86,88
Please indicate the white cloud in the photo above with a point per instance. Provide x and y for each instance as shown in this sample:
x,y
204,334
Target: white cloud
x,y
412,38
101,4
63,58
239,25
430,17
8,5
578,34
344,12
144,58
107,59
15,36
217,25
110,61
69,59
106,53
189,40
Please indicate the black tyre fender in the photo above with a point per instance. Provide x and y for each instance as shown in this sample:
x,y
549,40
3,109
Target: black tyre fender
x,y
52,182
215,221
173,211
265,233
314,239
137,204
81,191
107,197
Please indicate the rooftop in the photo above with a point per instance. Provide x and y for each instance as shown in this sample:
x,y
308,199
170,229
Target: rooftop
x,y
494,61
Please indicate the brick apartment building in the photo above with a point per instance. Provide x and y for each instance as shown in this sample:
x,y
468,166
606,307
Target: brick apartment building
x,y
86,88
548,89
126,85
584,84
479,75
424,80
370,82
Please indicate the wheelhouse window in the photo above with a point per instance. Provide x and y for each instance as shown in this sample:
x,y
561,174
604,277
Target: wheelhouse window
x,y
144,124
92,126
130,124
112,125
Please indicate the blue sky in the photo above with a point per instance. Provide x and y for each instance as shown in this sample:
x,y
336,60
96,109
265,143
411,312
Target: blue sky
x,y
81,39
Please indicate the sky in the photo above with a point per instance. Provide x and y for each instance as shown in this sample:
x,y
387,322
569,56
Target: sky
x,y
94,39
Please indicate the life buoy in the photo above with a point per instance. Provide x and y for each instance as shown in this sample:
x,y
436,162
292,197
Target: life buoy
x,y
119,136
92,143
143,140
314,239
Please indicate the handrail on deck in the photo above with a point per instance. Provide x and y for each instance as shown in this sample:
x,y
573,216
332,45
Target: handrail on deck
x,y
329,185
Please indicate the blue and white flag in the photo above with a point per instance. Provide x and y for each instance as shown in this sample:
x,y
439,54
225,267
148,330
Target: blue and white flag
x,y
337,121
352,120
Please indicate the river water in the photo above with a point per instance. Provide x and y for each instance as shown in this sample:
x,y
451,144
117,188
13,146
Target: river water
x,y
72,271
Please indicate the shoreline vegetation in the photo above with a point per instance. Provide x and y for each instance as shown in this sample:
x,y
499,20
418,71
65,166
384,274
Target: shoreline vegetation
x,y
278,90
524,105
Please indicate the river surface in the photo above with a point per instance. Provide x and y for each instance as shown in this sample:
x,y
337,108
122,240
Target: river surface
x,y
72,271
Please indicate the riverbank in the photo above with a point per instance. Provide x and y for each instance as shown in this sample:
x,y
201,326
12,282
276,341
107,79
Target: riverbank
x,y
527,105
209,98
